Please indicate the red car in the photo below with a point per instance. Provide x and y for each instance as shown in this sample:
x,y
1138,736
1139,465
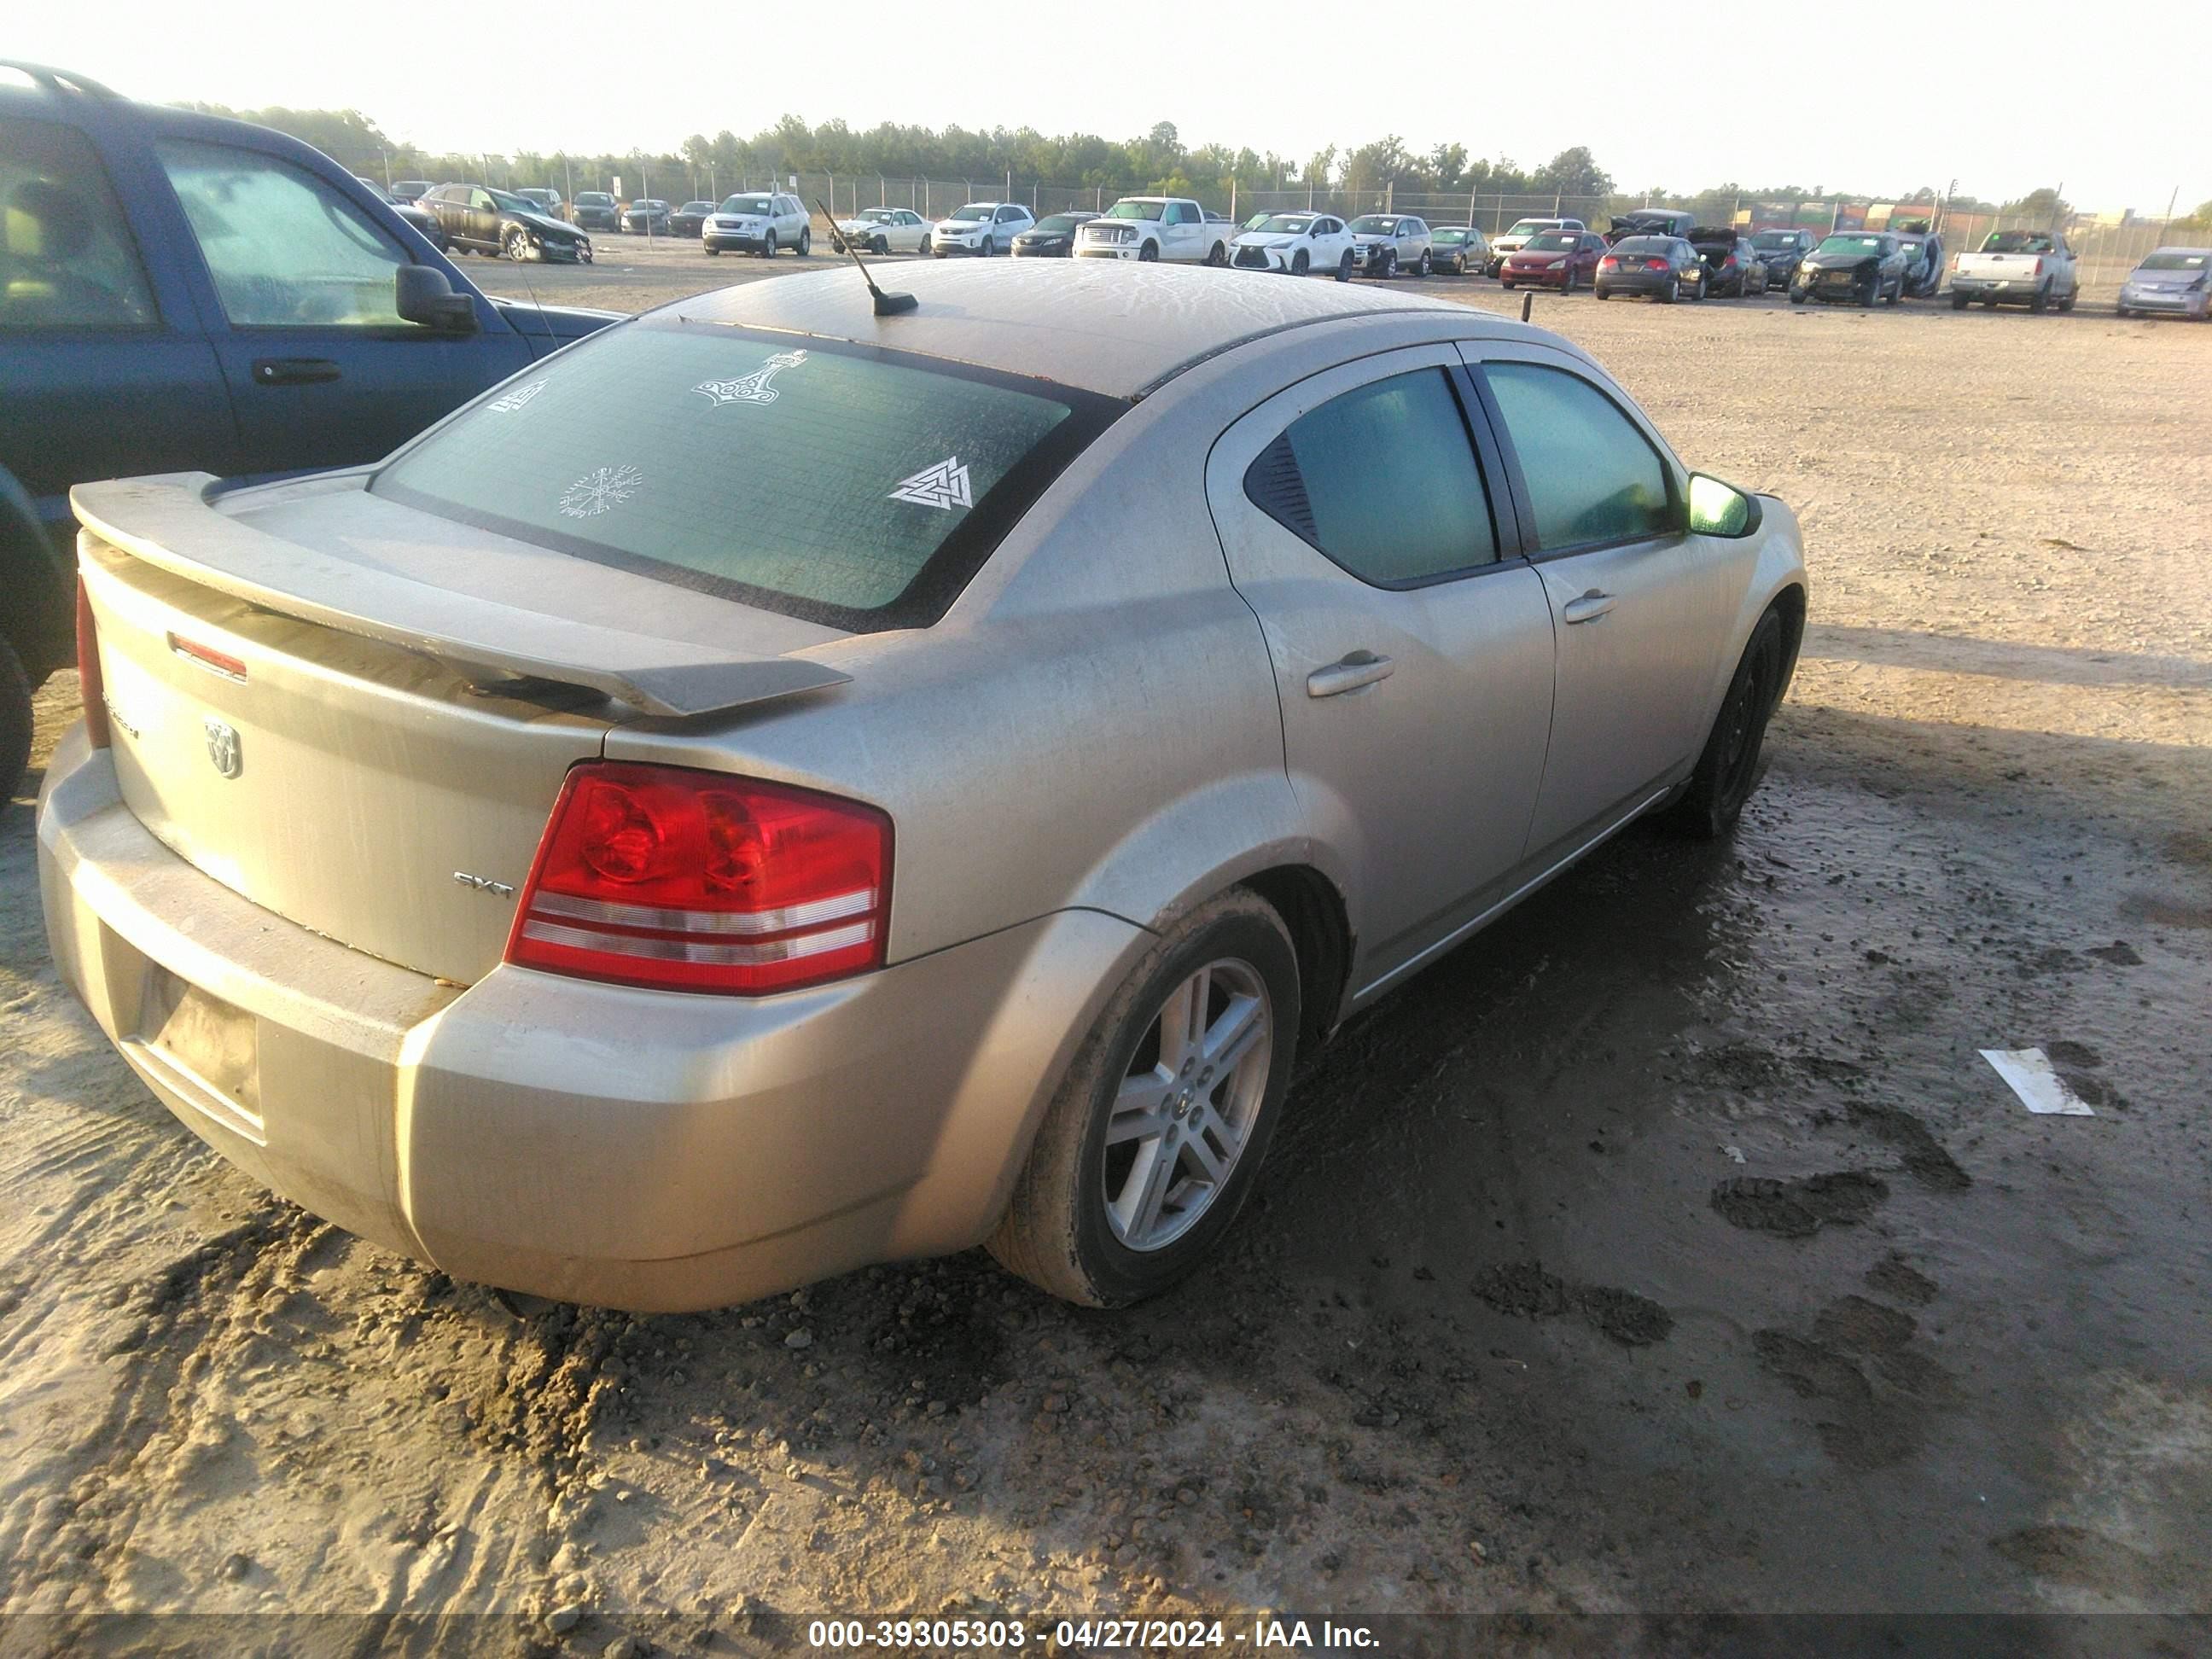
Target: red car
x,y
1564,259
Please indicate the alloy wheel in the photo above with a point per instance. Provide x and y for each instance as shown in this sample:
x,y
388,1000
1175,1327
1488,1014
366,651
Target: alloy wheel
x,y
1187,1105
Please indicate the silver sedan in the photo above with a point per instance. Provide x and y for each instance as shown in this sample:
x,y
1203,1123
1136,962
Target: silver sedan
x,y
774,787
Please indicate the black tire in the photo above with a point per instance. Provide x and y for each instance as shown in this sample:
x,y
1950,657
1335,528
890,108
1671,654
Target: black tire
x,y
516,245
1602,291
15,721
2039,301
1217,256
1672,292
1389,264
803,247
1344,267
1873,294
1300,262
1897,294
926,248
1728,767
713,253
1425,266
1796,296
768,247
1054,1232
2067,304
2118,311
879,245
1958,301
1507,286
1148,254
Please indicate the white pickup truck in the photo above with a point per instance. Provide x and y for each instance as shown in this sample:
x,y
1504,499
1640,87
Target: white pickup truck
x,y
1156,227
2031,268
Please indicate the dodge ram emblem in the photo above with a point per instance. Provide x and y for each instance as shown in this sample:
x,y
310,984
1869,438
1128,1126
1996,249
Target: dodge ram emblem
x,y
222,747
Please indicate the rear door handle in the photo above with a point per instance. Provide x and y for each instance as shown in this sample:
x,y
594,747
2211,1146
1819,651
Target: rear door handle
x,y
294,371
1588,608
1356,668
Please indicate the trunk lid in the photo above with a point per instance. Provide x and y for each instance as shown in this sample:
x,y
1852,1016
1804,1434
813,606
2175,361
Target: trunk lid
x,y
345,710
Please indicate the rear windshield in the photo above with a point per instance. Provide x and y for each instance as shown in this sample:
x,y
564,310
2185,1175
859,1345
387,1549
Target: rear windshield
x,y
2017,241
1653,244
857,488
1767,238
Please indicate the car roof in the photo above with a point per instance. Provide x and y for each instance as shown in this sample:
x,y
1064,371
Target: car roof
x,y
1110,328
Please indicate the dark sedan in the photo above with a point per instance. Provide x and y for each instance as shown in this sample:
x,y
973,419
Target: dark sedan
x,y
1459,248
1728,255
1662,268
411,210
690,219
494,222
646,217
1051,238
1780,252
594,210
1855,267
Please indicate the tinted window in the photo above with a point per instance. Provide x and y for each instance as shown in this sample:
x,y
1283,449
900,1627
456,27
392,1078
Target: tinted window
x,y
285,249
1592,476
1382,480
817,483
66,258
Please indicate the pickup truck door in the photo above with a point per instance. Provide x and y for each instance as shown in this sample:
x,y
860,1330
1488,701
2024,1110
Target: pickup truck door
x,y
1642,607
298,284
105,369
1363,519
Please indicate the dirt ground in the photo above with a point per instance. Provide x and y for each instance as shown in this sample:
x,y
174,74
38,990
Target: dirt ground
x,y
1669,1248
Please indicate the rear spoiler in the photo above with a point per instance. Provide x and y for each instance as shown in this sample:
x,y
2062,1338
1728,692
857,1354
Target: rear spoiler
x,y
170,522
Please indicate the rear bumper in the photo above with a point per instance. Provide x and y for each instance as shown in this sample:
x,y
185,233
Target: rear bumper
x,y
592,1143
1986,287
1637,282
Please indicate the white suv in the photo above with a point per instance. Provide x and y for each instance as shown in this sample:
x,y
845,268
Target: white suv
x,y
759,221
984,227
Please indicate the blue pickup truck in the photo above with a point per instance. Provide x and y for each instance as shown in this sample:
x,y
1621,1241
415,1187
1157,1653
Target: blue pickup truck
x,y
179,292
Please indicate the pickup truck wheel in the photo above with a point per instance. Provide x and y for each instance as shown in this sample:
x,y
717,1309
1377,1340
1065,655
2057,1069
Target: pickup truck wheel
x,y
1958,301
1154,1139
1728,767
14,720
1218,255
1148,253
517,245
2039,301
2067,304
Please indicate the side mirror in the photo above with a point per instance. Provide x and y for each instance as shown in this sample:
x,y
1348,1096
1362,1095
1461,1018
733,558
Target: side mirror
x,y
1722,509
422,295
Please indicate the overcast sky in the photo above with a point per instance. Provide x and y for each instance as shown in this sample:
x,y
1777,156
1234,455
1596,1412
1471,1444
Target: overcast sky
x,y
1884,96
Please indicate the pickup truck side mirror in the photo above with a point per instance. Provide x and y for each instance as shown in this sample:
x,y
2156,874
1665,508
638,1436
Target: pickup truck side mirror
x,y
420,294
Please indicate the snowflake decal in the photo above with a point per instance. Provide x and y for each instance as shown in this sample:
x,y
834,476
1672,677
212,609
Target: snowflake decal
x,y
600,490
516,398
944,486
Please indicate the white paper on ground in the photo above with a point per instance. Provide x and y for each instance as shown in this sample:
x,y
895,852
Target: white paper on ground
x,y
2039,1088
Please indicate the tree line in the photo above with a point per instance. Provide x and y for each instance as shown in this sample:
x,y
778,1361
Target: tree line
x,y
1156,162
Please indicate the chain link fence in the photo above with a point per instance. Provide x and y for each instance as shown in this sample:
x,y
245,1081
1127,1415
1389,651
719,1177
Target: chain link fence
x,y
2107,250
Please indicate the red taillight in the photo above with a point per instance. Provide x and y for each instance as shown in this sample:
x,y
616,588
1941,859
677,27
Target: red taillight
x,y
91,689
1608,263
1727,263
221,662
2039,268
697,881
1655,264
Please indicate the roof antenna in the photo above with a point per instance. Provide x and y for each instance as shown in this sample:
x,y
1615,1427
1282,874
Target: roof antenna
x,y
887,304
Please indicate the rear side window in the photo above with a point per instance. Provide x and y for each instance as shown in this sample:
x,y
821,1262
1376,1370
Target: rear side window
x,y
857,488
66,256
1382,480
1590,475
285,249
